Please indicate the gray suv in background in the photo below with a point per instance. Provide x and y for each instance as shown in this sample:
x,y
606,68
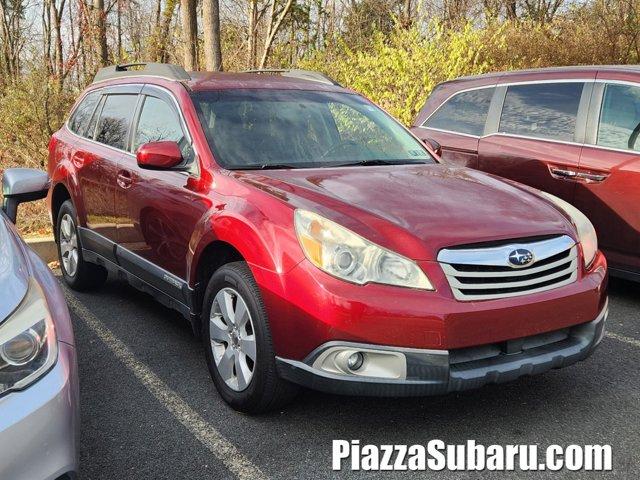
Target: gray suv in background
x,y
39,414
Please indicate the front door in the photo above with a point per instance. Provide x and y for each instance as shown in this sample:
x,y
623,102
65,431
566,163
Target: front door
x,y
160,209
458,124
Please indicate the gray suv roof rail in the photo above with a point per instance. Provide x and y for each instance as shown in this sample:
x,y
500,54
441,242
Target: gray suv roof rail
x,y
165,70
297,73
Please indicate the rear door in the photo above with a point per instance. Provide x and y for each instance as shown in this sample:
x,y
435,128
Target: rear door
x,y
608,186
536,134
108,132
458,124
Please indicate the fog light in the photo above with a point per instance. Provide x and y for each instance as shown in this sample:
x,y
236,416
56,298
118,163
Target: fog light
x,y
355,361
22,349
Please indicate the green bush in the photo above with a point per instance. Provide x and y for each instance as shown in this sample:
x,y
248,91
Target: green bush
x,y
399,71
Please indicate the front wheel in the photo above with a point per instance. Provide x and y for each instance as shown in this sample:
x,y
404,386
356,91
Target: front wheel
x,y
238,343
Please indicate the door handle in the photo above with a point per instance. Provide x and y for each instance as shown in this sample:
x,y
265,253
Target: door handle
x,y
561,172
592,177
578,176
124,179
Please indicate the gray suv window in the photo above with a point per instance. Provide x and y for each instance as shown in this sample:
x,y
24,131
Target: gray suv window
x,y
465,112
115,118
544,110
159,122
80,118
620,117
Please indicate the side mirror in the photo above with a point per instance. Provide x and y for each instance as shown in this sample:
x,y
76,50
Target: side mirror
x,y
159,156
21,185
435,146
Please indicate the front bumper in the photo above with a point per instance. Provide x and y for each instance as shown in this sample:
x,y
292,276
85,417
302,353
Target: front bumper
x,y
432,372
38,425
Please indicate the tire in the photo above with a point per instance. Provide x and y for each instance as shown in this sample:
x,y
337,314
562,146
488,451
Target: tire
x,y
247,385
78,274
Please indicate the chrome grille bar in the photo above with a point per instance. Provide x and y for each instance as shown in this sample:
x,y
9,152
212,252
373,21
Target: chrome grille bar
x,y
485,273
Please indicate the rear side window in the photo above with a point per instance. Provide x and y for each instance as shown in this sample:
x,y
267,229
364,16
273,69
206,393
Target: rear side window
x,y
80,119
546,110
465,112
115,119
620,118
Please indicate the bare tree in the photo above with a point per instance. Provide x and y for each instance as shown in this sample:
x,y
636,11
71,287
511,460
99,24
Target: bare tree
x,y
406,14
11,37
161,38
57,9
542,10
189,34
211,27
100,33
277,15
252,44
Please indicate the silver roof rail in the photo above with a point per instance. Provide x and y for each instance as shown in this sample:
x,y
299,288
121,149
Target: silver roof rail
x,y
297,73
165,70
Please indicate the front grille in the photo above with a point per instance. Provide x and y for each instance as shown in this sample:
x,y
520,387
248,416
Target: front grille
x,y
485,273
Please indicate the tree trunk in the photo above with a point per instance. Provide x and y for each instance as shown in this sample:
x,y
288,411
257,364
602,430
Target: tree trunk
x,y
189,33
274,27
160,48
253,34
212,46
512,13
406,14
100,32
119,31
56,17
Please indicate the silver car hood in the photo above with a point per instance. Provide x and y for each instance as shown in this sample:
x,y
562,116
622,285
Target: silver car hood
x,y
14,270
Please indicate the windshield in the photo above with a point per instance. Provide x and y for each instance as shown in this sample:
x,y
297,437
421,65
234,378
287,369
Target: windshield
x,y
265,128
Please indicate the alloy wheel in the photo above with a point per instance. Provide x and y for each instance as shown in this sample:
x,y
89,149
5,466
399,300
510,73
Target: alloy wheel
x,y
68,245
233,341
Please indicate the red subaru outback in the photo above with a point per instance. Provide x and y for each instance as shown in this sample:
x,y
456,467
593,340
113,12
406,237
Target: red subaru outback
x,y
312,240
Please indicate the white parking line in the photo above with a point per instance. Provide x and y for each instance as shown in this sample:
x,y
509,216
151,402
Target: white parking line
x,y
213,440
622,338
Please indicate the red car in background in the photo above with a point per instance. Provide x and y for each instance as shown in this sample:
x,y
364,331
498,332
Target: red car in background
x,y
569,131
312,240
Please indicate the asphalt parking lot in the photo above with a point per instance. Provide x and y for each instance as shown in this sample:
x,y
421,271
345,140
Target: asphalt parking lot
x,y
149,409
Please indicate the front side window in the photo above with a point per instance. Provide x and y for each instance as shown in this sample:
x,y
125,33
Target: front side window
x,y
80,119
465,112
545,110
620,117
115,119
159,122
301,129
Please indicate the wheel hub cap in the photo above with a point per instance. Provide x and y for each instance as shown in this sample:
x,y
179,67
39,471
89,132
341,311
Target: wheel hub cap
x,y
233,342
68,245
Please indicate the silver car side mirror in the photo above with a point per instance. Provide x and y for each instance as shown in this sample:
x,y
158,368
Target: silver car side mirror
x,y
21,185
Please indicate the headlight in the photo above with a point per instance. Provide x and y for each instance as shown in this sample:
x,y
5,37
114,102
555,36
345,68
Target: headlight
x,y
346,255
28,346
586,232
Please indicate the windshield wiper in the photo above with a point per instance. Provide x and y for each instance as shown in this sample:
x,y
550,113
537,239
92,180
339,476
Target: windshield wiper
x,y
269,166
378,161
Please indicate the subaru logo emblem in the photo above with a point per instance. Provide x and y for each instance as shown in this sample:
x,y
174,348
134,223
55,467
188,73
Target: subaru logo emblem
x,y
520,257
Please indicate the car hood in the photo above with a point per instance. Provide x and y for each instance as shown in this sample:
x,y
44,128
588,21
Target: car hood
x,y
417,209
14,272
